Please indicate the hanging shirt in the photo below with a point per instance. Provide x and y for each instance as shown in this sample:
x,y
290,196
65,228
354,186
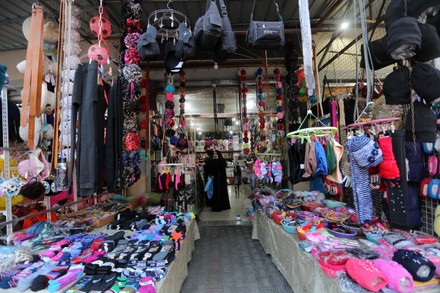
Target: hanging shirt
x,y
321,161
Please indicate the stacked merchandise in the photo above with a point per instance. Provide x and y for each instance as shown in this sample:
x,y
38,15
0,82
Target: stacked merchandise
x,y
71,260
370,256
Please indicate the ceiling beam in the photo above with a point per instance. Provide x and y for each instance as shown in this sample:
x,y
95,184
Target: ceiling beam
x,y
347,47
328,13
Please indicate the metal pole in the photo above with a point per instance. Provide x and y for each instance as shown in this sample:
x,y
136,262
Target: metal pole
x,y
6,174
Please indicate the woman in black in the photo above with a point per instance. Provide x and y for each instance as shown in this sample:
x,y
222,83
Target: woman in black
x,y
215,165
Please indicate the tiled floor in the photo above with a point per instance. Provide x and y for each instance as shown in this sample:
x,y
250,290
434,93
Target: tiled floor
x,y
226,259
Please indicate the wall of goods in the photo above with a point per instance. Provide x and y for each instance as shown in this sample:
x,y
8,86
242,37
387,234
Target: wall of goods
x,y
86,133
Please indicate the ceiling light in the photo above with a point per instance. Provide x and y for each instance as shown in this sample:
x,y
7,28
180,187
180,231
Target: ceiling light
x,y
231,132
233,119
237,122
200,133
215,66
345,25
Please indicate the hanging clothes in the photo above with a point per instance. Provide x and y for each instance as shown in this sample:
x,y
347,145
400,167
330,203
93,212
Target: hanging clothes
x,y
321,161
309,160
364,153
338,150
113,139
296,154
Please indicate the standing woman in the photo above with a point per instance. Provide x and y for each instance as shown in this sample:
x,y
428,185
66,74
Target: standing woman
x,y
220,199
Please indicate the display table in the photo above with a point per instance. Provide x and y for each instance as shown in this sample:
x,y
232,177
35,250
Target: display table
x,y
300,269
177,270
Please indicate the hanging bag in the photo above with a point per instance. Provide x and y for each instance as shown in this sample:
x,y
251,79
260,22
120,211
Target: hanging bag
x,y
208,28
266,35
227,45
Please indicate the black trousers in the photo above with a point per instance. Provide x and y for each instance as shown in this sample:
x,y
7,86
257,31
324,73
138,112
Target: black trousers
x,y
84,108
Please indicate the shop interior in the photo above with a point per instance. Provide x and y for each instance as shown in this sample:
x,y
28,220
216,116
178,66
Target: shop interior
x,y
219,146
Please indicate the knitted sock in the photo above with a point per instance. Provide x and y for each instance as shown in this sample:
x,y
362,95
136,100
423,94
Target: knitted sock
x,y
8,279
42,281
119,284
73,274
94,256
80,284
25,282
84,255
75,250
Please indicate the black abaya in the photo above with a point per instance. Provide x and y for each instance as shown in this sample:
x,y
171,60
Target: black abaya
x,y
220,197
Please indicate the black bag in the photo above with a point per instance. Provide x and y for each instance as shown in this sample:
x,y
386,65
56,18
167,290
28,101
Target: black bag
x,y
185,43
266,35
227,45
208,28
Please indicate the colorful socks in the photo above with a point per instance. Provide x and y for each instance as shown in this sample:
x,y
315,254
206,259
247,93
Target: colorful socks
x,y
42,281
25,283
74,273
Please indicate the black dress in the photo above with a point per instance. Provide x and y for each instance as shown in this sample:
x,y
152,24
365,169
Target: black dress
x,y
220,197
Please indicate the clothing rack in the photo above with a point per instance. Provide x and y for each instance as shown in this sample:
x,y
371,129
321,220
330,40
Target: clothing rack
x,y
371,122
321,131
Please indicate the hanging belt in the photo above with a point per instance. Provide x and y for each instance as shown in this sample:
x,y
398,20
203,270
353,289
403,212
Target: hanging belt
x,y
33,75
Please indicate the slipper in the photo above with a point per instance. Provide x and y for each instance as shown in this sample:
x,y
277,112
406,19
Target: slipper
x,y
424,187
437,220
433,188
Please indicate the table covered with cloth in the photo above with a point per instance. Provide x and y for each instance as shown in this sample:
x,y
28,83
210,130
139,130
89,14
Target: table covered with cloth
x,y
300,269
177,270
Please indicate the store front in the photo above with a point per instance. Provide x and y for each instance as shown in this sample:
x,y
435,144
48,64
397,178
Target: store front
x,y
219,146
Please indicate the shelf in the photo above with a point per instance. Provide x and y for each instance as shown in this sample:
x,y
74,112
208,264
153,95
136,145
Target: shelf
x,y
237,151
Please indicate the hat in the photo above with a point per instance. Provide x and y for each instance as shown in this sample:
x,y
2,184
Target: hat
x,y
432,165
430,48
428,148
425,80
379,56
363,272
172,63
185,44
404,38
395,10
365,151
437,221
147,45
437,144
425,123
416,264
418,8
51,32
396,87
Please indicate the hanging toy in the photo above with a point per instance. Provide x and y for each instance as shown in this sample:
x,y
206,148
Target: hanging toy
x,y
106,27
101,27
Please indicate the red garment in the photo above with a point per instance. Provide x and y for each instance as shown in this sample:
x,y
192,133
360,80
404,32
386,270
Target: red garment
x,y
388,169
38,218
363,272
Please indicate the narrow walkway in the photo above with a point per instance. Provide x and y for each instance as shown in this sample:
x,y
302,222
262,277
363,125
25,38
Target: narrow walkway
x,y
227,260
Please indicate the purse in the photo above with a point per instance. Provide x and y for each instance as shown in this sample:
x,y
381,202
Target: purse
x,y
266,35
227,45
208,28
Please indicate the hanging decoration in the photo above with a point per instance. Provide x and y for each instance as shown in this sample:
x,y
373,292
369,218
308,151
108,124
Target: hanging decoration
x,y
245,119
101,28
131,79
261,147
291,80
169,103
182,121
279,103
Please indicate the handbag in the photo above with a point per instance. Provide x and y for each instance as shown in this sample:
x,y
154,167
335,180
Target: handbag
x,y
266,35
209,187
227,45
208,28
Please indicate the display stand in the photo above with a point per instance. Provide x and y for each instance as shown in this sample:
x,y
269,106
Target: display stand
x,y
6,173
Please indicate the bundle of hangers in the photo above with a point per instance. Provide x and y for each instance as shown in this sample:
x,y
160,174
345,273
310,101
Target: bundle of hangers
x,y
371,128
306,134
171,176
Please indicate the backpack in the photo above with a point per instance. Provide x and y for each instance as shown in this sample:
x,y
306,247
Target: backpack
x,y
208,28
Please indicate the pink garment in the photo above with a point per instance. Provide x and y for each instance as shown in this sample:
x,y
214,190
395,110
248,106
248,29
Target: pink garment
x,y
398,278
385,253
363,272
